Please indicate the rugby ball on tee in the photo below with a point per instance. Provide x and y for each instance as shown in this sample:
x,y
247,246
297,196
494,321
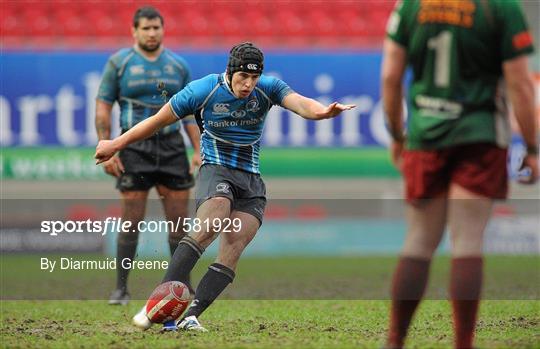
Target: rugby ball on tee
x,y
167,302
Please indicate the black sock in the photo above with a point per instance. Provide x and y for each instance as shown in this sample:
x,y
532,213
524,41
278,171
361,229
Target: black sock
x,y
173,244
212,284
124,249
183,260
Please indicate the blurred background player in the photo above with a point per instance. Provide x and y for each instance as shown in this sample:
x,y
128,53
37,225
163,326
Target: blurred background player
x,y
231,109
454,156
141,79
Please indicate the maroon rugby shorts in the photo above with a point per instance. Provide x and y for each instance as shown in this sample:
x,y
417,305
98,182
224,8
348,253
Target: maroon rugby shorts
x,y
480,168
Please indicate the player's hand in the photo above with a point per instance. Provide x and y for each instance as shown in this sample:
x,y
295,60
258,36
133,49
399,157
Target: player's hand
x,y
333,110
195,162
104,151
396,152
113,166
529,169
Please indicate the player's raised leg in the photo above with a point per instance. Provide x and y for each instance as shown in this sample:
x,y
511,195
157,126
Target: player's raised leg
x,y
426,222
467,217
133,210
222,272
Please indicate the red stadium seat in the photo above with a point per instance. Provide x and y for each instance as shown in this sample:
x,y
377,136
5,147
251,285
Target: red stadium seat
x,y
197,24
70,23
353,24
36,17
289,24
11,23
321,24
262,26
230,24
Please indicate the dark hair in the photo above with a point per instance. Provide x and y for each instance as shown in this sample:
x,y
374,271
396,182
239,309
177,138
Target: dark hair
x,y
148,12
245,57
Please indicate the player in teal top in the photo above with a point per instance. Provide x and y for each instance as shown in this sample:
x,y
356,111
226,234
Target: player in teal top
x,y
142,85
231,110
454,155
142,79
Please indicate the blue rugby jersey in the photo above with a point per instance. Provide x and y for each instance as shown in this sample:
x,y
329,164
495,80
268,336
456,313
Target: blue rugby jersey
x,y
142,86
231,127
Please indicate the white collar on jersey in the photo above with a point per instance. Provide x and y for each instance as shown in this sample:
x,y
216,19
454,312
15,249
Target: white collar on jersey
x,y
226,83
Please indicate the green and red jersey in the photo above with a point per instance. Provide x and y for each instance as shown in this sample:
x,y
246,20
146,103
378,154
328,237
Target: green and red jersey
x,y
456,49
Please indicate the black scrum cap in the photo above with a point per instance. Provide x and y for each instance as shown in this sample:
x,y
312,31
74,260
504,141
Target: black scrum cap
x,y
245,57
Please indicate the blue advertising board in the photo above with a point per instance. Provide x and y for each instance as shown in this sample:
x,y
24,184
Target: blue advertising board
x,y
48,98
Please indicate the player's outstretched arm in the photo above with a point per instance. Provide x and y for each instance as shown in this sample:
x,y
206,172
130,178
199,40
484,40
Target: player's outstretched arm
x,y
311,109
106,149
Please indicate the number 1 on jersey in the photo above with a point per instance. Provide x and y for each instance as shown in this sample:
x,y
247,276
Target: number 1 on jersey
x,y
441,44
